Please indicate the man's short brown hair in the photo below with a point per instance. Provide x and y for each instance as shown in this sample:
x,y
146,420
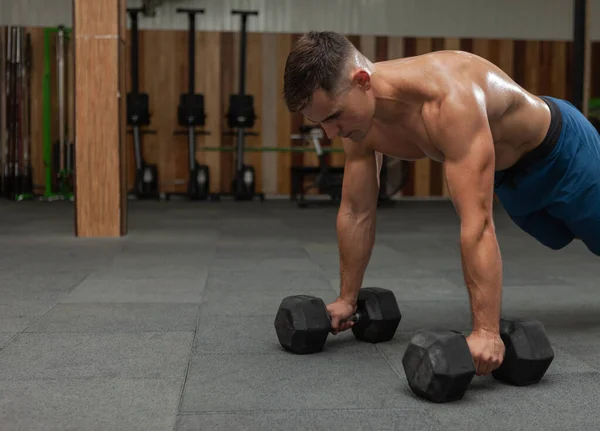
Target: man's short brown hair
x,y
315,62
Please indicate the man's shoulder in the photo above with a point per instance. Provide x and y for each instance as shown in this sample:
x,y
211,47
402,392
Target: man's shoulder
x,y
358,149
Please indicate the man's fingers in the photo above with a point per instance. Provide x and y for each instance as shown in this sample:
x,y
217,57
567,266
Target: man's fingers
x,y
346,325
338,326
485,369
335,324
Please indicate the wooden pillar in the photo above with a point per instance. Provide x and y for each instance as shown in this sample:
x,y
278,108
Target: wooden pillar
x,y
100,181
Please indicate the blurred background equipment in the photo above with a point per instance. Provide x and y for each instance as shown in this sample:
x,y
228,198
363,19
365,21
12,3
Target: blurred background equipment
x,y
146,185
241,117
190,114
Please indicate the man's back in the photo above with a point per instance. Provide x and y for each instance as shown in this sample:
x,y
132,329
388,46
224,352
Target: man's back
x,y
517,119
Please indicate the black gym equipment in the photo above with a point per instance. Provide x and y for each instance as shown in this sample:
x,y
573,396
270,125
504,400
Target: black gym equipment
x,y
138,114
240,117
302,322
328,179
190,114
439,366
15,149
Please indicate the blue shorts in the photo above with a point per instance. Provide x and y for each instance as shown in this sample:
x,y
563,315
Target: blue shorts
x,y
553,193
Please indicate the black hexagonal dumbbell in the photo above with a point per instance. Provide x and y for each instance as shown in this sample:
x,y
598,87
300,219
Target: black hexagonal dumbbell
x,y
302,323
439,366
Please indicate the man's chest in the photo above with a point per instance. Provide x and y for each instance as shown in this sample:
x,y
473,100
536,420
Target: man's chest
x,y
405,140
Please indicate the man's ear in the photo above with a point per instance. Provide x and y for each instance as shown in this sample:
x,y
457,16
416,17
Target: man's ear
x,y
363,79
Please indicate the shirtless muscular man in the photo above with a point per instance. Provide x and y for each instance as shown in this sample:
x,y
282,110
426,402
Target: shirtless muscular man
x,y
540,156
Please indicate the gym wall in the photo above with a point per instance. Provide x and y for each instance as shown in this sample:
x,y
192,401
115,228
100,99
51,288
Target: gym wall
x,y
541,64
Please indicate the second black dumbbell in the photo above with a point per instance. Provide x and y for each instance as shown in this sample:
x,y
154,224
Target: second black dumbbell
x,y
302,323
439,367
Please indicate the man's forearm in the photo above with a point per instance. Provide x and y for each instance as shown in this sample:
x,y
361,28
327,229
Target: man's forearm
x,y
356,236
482,268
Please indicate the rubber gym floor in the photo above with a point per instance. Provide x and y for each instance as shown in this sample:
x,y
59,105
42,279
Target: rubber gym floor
x,y
171,327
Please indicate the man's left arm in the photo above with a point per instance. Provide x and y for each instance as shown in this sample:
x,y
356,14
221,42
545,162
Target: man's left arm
x,y
458,127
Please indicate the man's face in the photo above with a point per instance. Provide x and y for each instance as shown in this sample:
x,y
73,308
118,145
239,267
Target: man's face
x,y
347,114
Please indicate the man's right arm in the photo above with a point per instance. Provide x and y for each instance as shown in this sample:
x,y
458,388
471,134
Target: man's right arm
x,y
356,217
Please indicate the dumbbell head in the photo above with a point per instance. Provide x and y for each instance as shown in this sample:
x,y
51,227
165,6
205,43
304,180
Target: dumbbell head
x,y
379,315
438,365
528,352
302,324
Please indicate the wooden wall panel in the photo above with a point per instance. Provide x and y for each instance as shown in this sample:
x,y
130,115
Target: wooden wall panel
x,y
558,66
532,68
505,58
37,81
368,46
164,73
270,95
452,44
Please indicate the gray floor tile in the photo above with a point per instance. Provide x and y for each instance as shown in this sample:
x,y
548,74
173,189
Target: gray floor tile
x,y
311,420
89,404
429,314
253,250
15,316
254,302
588,353
171,250
167,270
153,236
279,381
143,262
557,403
276,280
118,317
5,338
77,355
98,289
36,283
263,265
